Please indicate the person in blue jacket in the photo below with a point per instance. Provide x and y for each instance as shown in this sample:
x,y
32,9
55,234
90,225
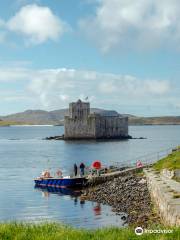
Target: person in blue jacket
x,y
82,167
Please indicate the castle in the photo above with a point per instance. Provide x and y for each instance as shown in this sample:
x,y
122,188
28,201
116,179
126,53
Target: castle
x,y
81,124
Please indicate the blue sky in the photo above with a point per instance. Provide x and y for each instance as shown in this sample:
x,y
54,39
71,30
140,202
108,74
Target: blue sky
x,y
123,55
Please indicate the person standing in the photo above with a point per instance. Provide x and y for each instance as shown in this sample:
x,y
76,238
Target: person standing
x,y
82,167
75,170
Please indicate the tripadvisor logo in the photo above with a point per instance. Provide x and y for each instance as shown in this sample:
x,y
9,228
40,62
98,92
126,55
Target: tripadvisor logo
x,y
138,231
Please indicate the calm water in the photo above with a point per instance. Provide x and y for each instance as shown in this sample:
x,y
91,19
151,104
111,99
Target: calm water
x,y
23,155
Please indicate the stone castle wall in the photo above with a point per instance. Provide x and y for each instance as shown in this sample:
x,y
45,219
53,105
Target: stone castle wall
x,y
81,124
79,110
111,127
77,129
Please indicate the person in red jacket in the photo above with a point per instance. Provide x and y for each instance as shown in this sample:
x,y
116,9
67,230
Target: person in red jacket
x,y
139,164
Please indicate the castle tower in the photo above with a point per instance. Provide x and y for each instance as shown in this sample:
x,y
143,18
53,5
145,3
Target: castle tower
x,y
80,124
79,110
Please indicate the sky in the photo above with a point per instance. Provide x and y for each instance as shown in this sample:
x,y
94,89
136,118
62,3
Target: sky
x,y
121,54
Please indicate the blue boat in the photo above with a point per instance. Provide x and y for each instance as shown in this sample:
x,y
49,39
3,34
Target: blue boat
x,y
77,182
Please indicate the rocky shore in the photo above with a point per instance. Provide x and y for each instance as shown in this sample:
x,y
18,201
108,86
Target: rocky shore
x,y
113,138
128,194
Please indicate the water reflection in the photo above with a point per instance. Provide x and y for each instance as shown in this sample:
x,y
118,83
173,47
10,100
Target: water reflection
x,y
46,191
98,210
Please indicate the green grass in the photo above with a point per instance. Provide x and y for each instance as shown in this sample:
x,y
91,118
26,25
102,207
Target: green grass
x,y
54,231
171,162
9,123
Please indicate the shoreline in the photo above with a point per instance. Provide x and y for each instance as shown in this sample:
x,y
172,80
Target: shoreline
x,y
62,137
128,194
62,125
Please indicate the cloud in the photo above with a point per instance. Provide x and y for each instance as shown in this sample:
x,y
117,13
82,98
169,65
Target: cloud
x,y
54,88
13,74
37,24
130,85
141,24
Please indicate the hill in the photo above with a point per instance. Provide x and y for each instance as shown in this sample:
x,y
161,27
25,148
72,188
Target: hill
x,y
56,117
40,117
166,120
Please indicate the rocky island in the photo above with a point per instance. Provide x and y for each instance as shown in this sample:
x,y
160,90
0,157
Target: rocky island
x,y
81,124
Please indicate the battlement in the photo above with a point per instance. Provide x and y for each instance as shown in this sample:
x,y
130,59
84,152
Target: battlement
x,y
79,109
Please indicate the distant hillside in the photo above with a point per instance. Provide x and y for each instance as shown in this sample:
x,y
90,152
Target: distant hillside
x,y
40,117
56,117
166,120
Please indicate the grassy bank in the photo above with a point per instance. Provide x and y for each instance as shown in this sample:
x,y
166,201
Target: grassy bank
x,y
10,123
50,231
171,162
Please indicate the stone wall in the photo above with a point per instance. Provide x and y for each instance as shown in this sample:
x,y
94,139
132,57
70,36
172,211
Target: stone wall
x,y
80,124
111,127
171,173
96,126
162,192
81,129
79,110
